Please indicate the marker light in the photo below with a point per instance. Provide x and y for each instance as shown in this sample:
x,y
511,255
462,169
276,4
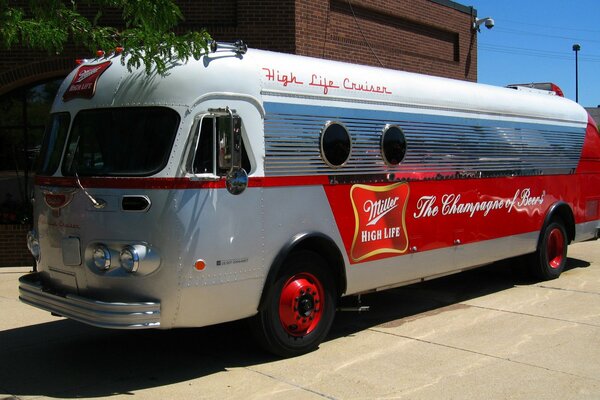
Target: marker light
x,y
130,259
200,265
100,53
101,257
33,245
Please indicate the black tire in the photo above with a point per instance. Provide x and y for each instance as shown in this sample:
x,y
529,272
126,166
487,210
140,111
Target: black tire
x,y
300,307
551,256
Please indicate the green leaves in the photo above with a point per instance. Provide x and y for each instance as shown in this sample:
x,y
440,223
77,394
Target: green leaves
x,y
162,49
146,34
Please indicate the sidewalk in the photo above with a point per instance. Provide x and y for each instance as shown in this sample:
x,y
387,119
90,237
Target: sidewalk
x,y
483,334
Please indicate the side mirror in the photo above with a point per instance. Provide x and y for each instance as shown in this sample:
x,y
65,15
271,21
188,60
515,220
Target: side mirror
x,y
236,180
229,133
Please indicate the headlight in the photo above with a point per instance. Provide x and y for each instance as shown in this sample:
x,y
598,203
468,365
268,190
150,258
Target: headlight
x,y
33,245
101,257
130,259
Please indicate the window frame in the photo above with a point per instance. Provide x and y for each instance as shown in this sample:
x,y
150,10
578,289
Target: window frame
x,y
382,147
217,171
324,157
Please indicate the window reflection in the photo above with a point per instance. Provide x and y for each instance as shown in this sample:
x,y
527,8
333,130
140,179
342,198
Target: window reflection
x,y
24,113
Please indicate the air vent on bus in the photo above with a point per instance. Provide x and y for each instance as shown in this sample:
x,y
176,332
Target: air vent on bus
x,y
135,203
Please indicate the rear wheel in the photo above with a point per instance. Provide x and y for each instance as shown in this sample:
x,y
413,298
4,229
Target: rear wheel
x,y
300,307
551,255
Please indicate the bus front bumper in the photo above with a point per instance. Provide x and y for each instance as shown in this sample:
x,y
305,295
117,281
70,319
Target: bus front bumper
x,y
92,312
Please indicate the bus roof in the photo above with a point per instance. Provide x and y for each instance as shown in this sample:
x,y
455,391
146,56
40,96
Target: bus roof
x,y
270,76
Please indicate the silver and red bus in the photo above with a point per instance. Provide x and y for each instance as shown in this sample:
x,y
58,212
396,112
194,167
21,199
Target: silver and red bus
x,y
252,184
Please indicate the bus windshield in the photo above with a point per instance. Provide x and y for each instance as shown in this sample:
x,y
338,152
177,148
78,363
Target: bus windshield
x,y
120,141
53,143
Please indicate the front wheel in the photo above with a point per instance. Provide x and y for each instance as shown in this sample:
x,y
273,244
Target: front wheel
x,y
551,255
300,307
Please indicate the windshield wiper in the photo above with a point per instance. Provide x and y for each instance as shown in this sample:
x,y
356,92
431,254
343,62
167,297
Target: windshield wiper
x,y
98,204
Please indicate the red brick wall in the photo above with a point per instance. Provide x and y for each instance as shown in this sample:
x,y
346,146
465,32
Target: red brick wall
x,y
13,246
267,24
416,35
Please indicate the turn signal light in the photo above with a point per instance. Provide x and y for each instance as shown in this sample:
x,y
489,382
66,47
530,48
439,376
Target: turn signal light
x,y
200,265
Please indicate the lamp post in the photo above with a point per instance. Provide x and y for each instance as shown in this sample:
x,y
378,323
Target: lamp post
x,y
576,48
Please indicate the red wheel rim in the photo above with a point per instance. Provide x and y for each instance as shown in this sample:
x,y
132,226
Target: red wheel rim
x,y
555,248
301,304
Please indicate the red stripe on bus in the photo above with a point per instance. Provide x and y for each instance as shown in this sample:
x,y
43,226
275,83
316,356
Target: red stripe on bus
x,y
176,183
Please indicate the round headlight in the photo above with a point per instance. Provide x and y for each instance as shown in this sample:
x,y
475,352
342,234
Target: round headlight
x,y
33,245
130,259
101,257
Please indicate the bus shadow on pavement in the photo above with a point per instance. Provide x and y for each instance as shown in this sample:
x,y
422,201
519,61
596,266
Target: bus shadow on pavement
x,y
404,304
68,359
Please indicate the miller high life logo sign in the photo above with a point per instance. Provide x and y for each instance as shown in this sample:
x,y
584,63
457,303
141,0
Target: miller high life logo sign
x,y
380,225
83,84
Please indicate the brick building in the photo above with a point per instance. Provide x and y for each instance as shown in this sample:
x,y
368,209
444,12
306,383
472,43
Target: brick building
x,y
433,37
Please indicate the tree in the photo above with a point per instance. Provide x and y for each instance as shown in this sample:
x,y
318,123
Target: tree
x,y
147,36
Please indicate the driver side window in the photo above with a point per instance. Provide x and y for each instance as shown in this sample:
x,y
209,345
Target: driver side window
x,y
205,159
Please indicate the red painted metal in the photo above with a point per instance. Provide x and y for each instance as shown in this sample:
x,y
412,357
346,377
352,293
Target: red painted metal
x,y
301,304
557,90
590,153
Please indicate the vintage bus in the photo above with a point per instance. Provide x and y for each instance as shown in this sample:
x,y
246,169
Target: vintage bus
x,y
252,184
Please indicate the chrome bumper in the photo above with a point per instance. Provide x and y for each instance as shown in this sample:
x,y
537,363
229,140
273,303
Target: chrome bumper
x,y
92,312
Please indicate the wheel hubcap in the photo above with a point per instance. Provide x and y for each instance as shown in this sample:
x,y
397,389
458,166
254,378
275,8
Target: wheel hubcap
x,y
555,248
301,304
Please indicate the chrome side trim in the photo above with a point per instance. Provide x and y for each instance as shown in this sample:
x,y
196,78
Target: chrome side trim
x,y
587,231
415,106
92,312
228,95
292,148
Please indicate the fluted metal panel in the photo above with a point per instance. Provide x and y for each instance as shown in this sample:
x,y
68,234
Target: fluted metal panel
x,y
488,148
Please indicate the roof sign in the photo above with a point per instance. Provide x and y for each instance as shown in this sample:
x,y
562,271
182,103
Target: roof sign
x,y
83,84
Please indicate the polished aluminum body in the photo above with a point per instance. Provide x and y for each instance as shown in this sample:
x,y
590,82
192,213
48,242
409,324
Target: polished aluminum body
x,y
453,129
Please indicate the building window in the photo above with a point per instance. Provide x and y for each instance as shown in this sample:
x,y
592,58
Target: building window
x,y
335,144
24,114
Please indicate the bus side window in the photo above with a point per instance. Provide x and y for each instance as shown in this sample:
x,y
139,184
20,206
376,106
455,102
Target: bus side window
x,y
204,159
208,148
245,160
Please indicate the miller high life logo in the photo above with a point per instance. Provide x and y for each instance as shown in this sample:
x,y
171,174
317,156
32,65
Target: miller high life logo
x,y
380,226
83,84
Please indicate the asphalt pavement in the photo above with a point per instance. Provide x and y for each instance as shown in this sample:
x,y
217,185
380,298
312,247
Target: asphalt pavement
x,y
487,333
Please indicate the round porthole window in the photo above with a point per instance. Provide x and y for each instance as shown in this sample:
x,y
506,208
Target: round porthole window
x,y
393,145
335,144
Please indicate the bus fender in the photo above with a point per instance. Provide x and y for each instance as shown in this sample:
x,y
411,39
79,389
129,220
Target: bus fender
x,y
561,210
317,242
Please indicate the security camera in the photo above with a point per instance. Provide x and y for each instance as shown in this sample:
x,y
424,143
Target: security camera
x,y
487,21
